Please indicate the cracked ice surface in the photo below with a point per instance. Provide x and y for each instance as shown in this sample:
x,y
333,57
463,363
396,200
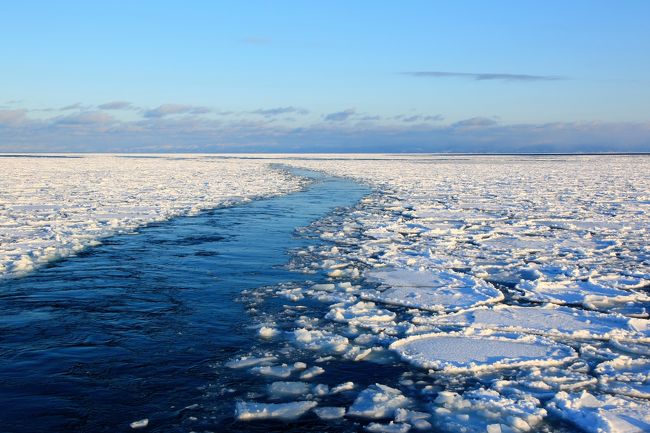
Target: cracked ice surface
x,y
55,207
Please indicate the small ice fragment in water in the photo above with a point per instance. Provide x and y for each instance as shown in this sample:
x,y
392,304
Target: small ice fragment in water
x,y
330,412
246,362
324,341
391,427
419,420
321,389
282,371
267,332
287,389
247,411
311,373
140,423
345,386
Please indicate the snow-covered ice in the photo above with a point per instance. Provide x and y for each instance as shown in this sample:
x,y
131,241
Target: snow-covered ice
x,y
602,413
378,401
485,410
486,266
586,293
322,341
626,376
549,320
460,353
435,290
391,427
55,207
503,283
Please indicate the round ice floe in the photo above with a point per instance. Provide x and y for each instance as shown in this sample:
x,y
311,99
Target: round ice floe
x,y
586,293
485,410
439,290
459,353
549,320
602,413
626,376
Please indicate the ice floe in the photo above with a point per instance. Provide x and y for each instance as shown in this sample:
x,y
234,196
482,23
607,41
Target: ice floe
x,y
435,290
322,341
360,313
330,412
418,420
460,353
391,427
586,293
281,371
378,401
625,376
248,411
602,413
288,389
312,372
545,382
549,320
485,410
250,361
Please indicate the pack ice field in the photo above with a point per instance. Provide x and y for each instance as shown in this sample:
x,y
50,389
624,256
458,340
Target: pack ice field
x,y
436,293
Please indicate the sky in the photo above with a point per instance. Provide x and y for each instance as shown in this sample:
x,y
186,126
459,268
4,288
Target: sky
x,y
325,76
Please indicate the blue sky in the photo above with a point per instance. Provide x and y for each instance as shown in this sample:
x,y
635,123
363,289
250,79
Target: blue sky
x,y
325,76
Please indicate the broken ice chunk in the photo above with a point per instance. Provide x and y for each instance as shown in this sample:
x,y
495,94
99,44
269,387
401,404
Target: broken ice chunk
x,y
247,411
378,401
602,413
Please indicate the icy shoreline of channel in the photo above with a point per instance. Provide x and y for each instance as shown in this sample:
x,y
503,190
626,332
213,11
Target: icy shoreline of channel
x,y
55,207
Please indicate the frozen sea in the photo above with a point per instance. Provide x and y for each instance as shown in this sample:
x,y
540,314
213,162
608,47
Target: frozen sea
x,y
340,293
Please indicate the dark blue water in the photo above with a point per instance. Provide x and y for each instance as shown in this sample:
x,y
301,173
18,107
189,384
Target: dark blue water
x,y
133,328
